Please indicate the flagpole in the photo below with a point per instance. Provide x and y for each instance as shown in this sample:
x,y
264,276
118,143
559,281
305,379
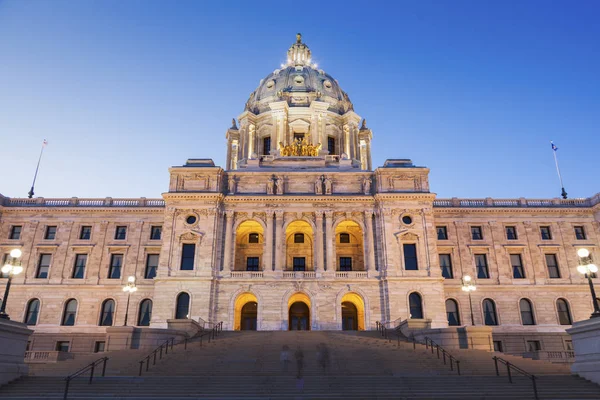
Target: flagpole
x,y
563,192
44,143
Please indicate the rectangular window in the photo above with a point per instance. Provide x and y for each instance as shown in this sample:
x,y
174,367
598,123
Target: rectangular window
x,y
252,263
50,233
476,233
498,346
331,145
151,266
534,345
482,266
79,268
253,238
580,233
28,347
511,233
116,263
569,345
345,263
85,233
344,238
15,232
267,145
546,233
517,266
552,264
99,347
299,264
155,232
410,257
298,136
188,252
446,266
43,266
120,232
442,232
63,346
298,237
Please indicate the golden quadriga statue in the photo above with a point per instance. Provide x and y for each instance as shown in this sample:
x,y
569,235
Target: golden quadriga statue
x,y
299,147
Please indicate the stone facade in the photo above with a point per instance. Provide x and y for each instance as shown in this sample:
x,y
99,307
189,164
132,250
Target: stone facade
x,y
274,229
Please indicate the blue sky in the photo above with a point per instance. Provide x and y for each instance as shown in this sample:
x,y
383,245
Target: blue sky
x,y
474,90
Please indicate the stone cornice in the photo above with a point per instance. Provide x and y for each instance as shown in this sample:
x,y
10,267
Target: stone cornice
x,y
321,200
507,210
85,210
387,196
215,196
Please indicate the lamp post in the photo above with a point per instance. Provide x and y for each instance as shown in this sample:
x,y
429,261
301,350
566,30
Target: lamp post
x,y
586,268
12,269
468,287
129,288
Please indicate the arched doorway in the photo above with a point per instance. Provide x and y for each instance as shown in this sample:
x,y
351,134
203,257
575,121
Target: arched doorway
x,y
249,316
249,246
299,246
349,255
349,317
299,317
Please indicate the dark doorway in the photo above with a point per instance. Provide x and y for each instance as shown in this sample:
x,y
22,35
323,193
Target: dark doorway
x,y
349,317
299,317
249,314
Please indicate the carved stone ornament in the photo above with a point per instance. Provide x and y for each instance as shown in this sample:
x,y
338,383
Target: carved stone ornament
x,y
409,237
189,236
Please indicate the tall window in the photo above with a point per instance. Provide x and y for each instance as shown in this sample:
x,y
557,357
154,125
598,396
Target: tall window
x,y
452,312
511,233
151,266
299,264
442,232
490,316
114,269
43,266
331,145
526,312
252,263
546,233
564,313
344,238
476,233
50,233
552,264
85,233
267,145
517,266
253,238
482,266
298,237
145,313
69,313
15,232
345,263
188,252
446,266
120,233
33,310
79,267
155,232
410,257
579,233
416,306
107,312
183,306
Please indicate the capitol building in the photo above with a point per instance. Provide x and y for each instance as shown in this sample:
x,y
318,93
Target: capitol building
x,y
299,231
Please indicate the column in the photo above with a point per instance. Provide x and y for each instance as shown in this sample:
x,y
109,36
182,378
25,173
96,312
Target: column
x,y
227,262
329,238
370,249
268,252
279,238
318,242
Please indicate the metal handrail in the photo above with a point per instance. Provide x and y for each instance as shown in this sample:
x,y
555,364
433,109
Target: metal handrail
x,y
91,366
510,366
445,353
153,353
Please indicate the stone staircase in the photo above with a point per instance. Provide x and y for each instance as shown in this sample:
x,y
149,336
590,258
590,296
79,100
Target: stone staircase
x,y
246,365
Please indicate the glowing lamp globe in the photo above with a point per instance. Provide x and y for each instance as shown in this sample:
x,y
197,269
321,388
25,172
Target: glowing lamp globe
x,y
583,253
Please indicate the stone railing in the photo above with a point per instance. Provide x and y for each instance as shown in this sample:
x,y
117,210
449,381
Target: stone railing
x,y
299,274
247,274
42,357
77,202
567,356
516,203
351,274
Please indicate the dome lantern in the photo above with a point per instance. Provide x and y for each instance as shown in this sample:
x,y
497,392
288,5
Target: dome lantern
x,y
299,53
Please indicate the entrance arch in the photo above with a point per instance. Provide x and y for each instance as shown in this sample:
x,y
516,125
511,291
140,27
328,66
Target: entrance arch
x,y
353,312
299,312
246,312
299,246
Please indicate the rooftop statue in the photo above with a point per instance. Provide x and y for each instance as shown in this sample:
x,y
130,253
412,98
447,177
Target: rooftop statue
x,y
299,147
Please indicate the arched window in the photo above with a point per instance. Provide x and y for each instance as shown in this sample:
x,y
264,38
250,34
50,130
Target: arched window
x,y
183,306
145,313
452,312
416,306
69,313
33,310
107,313
526,312
489,312
564,313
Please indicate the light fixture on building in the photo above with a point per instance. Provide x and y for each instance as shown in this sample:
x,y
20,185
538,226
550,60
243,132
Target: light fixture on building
x,y
11,269
587,268
129,288
468,287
